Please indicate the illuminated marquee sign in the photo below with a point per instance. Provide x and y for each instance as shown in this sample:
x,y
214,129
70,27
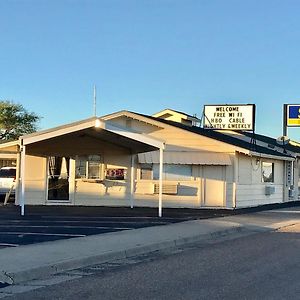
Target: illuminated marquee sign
x,y
293,115
230,117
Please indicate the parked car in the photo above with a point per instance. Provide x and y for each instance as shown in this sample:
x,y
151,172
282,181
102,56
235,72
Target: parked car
x,y
7,178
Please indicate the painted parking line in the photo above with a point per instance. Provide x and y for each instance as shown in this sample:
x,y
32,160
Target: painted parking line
x,y
85,221
64,226
101,217
8,245
284,211
39,233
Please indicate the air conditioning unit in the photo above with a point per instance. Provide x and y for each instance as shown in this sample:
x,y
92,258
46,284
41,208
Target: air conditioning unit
x,y
170,189
269,190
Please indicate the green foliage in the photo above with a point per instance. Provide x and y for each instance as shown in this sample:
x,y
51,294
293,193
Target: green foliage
x,y
15,121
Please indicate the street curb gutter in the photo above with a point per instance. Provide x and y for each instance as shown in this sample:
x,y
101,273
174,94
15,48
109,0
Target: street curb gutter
x,y
137,247
62,266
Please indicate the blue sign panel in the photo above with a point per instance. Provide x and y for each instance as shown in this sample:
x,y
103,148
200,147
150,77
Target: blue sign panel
x,y
293,115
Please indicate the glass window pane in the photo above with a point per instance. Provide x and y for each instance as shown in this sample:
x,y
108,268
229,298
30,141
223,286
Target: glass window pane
x,y
173,172
94,169
80,167
267,172
146,171
116,174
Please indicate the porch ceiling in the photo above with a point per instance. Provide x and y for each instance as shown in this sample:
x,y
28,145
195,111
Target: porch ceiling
x,y
87,141
92,140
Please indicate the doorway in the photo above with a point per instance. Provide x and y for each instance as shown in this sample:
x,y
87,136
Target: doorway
x,y
58,178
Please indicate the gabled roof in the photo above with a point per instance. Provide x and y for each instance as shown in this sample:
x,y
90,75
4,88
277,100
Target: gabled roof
x,y
170,111
248,143
67,138
290,146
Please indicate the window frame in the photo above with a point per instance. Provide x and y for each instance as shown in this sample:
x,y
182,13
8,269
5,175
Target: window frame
x,y
272,179
85,162
154,168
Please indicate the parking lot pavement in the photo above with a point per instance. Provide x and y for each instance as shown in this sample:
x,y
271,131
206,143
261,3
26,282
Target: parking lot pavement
x,y
49,223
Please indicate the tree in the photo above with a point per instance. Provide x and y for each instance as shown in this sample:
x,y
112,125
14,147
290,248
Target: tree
x,y
15,121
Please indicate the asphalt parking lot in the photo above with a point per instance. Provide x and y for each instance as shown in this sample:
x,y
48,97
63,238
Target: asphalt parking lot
x,y
49,223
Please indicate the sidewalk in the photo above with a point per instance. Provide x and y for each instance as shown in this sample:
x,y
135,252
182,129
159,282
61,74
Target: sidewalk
x,y
40,260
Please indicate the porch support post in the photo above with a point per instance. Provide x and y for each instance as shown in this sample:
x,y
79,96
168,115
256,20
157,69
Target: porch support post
x,y
132,182
22,198
235,178
17,187
161,156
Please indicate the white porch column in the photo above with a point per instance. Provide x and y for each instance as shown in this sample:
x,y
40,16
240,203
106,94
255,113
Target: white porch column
x,y
235,179
132,182
17,187
22,198
161,156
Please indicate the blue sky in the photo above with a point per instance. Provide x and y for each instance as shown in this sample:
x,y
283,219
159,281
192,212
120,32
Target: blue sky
x,y
147,55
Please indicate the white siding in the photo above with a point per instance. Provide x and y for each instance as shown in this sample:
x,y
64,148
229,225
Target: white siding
x,y
35,180
250,190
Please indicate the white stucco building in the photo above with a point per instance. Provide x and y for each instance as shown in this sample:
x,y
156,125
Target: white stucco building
x,y
119,160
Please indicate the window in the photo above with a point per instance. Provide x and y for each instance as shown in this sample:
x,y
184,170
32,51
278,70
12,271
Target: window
x,y
267,172
173,172
116,174
146,171
8,172
89,167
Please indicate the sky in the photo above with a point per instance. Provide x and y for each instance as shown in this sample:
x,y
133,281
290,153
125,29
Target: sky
x,y
148,55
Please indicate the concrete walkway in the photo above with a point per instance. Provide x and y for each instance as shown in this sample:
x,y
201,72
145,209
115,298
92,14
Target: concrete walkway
x,y
39,260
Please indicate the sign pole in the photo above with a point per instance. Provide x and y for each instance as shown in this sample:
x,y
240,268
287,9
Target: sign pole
x,y
284,127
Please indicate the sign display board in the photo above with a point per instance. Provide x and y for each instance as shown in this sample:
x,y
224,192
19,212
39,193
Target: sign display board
x,y
230,117
293,115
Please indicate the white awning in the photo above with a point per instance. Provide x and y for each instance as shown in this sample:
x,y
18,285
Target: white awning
x,y
186,158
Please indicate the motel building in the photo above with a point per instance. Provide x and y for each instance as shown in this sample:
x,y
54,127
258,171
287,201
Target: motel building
x,y
163,160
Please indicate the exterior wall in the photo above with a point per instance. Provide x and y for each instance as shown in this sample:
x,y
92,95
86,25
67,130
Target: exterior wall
x,y
237,185
107,192
250,188
176,138
296,180
192,193
209,186
35,180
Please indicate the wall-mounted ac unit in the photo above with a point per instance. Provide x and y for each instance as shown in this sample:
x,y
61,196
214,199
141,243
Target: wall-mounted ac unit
x,y
269,190
171,189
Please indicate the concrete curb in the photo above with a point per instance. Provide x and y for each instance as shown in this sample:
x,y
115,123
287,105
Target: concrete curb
x,y
120,245
62,266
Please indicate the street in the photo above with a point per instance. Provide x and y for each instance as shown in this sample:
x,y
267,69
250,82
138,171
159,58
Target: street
x,y
257,266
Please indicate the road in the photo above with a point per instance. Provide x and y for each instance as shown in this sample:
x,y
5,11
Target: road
x,y
258,266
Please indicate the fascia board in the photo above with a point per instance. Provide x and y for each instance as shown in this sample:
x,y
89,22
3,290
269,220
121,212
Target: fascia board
x,y
9,144
253,153
57,132
133,116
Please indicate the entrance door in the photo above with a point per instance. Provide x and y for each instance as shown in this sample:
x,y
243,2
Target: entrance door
x,y
214,185
58,178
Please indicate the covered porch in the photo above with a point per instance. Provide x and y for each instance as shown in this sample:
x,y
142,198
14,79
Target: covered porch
x,y
90,153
